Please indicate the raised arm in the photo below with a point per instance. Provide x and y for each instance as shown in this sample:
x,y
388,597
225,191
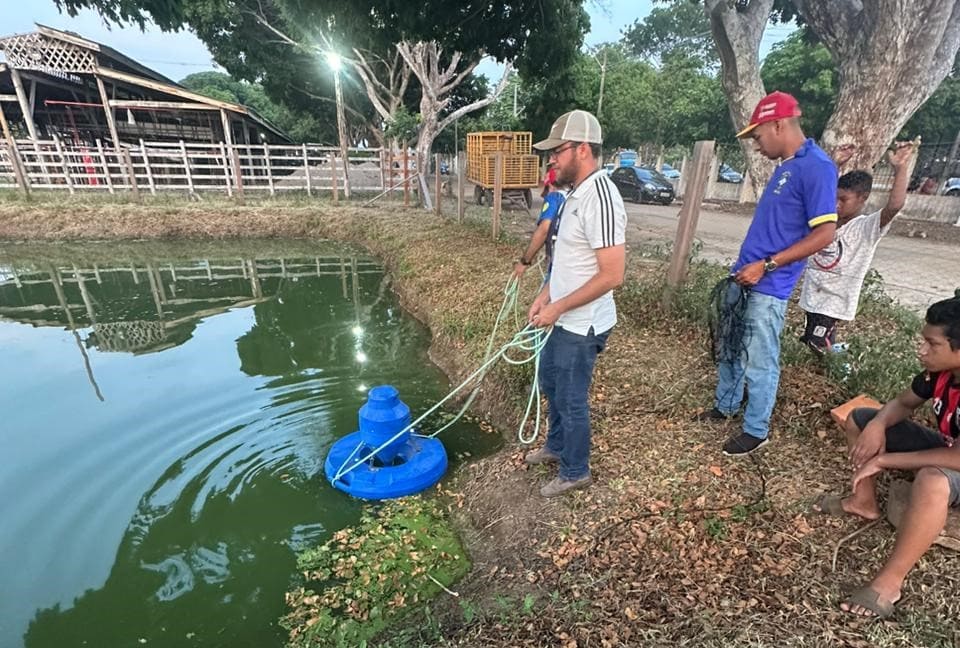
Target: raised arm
x,y
899,159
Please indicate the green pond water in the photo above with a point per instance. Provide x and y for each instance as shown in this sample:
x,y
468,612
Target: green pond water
x,y
165,413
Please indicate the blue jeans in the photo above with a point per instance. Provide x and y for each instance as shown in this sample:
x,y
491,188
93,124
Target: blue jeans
x,y
758,365
566,369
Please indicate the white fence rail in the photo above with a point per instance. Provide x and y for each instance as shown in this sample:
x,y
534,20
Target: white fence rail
x,y
154,167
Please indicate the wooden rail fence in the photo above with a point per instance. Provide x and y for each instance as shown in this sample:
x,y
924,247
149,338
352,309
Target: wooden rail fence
x,y
154,167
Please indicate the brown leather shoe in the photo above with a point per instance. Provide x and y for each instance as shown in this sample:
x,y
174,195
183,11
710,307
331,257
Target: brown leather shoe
x,y
560,486
540,456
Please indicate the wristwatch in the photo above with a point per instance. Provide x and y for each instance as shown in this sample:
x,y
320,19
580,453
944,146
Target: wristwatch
x,y
769,265
524,261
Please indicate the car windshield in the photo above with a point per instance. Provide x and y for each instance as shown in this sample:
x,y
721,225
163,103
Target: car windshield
x,y
648,175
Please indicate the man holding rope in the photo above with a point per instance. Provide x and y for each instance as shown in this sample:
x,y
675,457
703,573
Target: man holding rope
x,y
589,262
795,217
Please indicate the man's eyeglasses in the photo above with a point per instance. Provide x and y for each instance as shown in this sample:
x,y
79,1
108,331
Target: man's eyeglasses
x,y
560,149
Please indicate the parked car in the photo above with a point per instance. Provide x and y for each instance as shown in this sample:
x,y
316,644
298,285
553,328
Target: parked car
x,y
643,184
669,172
727,173
951,187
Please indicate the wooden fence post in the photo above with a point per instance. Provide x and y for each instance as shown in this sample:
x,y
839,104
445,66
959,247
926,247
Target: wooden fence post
x,y
333,178
437,183
237,173
14,154
63,164
266,161
383,171
393,186
703,155
146,165
306,170
186,166
226,170
406,179
461,186
497,193
106,167
131,173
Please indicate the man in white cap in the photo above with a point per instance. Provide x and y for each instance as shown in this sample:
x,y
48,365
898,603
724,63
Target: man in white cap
x,y
588,263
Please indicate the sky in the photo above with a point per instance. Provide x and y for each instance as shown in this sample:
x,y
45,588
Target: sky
x,y
175,55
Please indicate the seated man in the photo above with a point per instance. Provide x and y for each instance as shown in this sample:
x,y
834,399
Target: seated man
x,y
834,275
885,439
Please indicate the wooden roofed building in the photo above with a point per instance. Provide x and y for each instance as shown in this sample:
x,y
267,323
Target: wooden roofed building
x,y
57,84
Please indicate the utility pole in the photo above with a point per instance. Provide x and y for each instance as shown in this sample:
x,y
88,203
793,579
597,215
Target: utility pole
x,y
603,77
333,59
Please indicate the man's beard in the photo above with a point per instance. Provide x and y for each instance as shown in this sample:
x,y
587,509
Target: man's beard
x,y
568,175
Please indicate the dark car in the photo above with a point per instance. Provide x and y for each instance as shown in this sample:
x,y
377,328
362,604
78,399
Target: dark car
x,y
642,184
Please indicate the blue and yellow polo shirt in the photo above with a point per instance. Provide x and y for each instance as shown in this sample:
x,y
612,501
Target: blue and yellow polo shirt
x,y
801,194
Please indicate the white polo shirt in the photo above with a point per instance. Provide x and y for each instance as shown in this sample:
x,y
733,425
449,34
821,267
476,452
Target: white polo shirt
x,y
593,217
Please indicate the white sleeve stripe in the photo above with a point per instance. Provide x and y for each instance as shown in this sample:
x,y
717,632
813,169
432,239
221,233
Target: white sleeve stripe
x,y
606,212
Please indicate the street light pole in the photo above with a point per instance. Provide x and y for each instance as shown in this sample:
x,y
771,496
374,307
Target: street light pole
x,y
336,65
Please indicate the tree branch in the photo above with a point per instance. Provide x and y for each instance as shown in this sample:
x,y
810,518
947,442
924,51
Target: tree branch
x,y
480,103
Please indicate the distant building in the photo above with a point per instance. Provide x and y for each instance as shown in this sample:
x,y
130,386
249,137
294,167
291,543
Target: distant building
x,y
57,83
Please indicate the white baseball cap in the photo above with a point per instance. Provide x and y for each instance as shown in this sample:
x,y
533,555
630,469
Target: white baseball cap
x,y
574,126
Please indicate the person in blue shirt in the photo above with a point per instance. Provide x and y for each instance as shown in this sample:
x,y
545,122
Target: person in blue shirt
x,y
794,218
552,203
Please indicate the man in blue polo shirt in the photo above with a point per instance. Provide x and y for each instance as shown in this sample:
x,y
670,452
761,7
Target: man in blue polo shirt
x,y
795,217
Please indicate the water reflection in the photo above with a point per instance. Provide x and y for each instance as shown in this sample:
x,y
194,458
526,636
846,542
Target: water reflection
x,y
171,511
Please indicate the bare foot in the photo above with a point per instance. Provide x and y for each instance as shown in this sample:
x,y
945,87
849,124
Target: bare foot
x,y
835,505
868,512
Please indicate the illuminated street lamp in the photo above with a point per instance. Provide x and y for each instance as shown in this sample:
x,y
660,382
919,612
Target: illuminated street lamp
x,y
336,64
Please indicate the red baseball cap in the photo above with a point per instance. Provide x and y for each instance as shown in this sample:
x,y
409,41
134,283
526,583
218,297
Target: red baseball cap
x,y
776,105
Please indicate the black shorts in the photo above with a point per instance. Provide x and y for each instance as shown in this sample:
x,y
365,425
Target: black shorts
x,y
818,333
907,436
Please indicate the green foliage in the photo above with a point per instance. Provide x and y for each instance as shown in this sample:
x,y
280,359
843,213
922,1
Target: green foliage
x,y
403,126
301,126
370,575
807,72
164,13
939,118
882,358
678,29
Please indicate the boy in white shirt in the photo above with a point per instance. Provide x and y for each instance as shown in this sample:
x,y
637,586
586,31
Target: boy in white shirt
x,y
834,275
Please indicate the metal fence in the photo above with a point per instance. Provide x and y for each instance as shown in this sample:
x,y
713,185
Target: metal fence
x,y
156,167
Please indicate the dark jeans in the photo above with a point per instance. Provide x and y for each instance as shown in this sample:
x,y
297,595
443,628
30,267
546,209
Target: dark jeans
x,y
566,369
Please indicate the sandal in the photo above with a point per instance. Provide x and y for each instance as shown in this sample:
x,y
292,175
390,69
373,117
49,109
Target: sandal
x,y
869,599
830,505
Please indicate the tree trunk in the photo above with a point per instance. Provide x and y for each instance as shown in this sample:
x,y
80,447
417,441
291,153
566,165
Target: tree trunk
x,y
737,34
891,56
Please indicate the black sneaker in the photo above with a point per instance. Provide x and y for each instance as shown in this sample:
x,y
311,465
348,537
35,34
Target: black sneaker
x,y
742,444
712,415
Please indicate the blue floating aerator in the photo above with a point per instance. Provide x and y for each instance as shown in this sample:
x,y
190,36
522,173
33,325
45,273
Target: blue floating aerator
x,y
409,464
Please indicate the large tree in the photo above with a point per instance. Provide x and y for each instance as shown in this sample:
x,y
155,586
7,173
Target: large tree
x,y
890,57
